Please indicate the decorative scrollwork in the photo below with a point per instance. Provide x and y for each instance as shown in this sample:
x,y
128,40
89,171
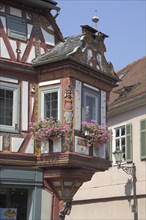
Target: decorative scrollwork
x,y
66,209
45,24
129,170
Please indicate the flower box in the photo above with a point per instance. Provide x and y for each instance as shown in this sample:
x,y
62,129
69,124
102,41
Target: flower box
x,y
95,134
43,130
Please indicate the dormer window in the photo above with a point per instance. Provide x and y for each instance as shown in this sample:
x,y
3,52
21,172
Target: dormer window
x,y
126,90
16,28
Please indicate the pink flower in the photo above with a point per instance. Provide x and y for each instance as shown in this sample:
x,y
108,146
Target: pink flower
x,y
97,134
48,128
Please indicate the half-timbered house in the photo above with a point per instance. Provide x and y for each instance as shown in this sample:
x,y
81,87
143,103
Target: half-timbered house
x,y
45,75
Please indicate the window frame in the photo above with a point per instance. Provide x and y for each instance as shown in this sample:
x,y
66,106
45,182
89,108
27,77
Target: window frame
x,y
16,108
120,139
94,93
47,90
128,143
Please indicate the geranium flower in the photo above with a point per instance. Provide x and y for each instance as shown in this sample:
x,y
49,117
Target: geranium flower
x,y
96,135
44,130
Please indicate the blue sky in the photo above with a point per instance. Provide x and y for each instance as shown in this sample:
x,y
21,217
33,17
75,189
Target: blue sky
x,y
124,21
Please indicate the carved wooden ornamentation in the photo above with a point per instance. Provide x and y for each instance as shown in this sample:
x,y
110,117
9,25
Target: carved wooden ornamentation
x,y
7,143
36,115
44,23
37,33
37,148
68,116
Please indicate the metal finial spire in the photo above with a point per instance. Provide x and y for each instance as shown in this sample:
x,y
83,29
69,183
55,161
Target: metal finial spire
x,y
95,19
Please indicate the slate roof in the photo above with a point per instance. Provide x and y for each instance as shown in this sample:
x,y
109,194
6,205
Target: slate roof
x,y
132,84
61,50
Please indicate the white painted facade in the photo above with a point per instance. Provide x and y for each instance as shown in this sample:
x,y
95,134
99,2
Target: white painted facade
x,y
109,195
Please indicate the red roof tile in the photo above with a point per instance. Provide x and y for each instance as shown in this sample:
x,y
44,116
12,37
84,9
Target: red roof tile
x,y
131,85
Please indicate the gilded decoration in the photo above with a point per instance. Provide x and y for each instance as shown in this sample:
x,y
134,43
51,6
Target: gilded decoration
x,y
102,46
111,69
88,38
82,142
68,105
37,149
68,117
79,54
7,143
35,88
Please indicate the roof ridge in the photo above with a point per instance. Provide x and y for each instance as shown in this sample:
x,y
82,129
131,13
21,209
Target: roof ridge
x,y
75,35
130,64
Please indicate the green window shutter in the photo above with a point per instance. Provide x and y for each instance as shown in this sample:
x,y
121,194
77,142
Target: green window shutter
x,y
109,148
129,143
143,139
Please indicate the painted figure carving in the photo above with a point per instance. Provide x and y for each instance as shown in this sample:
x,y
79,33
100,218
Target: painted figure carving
x,y
68,105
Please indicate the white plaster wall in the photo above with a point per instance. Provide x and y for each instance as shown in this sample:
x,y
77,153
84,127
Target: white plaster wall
x,y
16,143
78,105
46,207
30,147
114,183
107,210
24,105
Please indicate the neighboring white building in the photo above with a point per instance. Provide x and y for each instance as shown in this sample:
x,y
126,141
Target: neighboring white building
x,y
109,195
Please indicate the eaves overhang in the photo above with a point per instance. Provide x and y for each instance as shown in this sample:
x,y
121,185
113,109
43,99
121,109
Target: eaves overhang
x,y
127,105
17,70
73,62
42,4
4,65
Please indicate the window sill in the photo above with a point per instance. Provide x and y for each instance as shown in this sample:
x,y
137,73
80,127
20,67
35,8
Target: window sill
x,y
9,130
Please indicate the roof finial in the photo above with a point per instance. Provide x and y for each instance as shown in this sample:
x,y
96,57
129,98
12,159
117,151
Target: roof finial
x,y
95,19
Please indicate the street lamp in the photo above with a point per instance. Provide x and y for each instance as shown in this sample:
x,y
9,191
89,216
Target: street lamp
x,y
118,154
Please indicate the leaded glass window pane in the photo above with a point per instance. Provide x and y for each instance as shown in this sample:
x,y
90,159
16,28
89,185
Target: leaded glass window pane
x,y
51,105
6,107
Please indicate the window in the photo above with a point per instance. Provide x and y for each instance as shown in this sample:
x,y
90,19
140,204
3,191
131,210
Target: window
x,y
122,140
9,107
50,103
16,27
90,105
13,201
143,139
